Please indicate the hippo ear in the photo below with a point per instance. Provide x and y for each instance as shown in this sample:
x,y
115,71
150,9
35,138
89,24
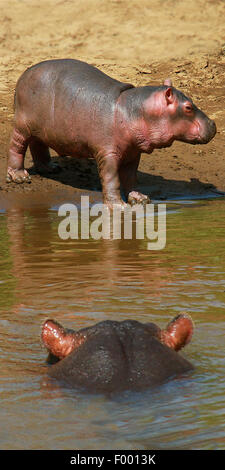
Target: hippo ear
x,y
178,332
168,82
169,95
59,341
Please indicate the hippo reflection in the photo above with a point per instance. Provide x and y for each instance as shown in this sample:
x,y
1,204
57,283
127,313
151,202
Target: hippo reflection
x,y
113,356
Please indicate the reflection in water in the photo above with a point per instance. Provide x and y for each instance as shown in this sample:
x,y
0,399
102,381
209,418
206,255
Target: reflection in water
x,y
80,282
44,263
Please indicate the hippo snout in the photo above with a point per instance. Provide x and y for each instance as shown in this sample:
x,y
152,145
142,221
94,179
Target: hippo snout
x,y
207,130
210,131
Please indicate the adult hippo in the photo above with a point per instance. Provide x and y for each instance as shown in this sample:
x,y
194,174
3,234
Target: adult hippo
x,y
112,356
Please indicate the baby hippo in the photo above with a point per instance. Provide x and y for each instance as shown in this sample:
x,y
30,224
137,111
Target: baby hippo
x,y
112,356
77,110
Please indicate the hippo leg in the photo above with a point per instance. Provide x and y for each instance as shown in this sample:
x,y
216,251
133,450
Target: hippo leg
x,y
17,149
41,157
128,178
108,167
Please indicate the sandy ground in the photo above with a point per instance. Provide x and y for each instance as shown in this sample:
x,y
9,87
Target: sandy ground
x,y
141,42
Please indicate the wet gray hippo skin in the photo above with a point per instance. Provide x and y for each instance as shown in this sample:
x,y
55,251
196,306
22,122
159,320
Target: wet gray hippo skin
x,y
112,356
77,110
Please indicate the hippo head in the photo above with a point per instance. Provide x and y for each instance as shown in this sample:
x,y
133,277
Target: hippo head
x,y
112,356
61,341
189,124
169,115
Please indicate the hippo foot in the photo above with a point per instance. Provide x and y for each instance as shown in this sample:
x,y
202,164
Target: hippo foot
x,y
116,204
134,197
50,168
17,176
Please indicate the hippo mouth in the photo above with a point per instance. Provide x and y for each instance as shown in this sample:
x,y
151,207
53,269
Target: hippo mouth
x,y
204,140
209,134
201,139
201,133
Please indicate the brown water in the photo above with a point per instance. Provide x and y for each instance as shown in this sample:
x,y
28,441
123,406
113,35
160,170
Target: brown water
x,y
81,282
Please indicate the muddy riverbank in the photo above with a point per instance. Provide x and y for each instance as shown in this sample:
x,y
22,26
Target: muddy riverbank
x,y
139,43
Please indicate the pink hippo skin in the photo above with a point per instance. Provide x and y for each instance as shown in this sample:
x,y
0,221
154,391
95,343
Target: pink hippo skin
x,y
112,356
77,110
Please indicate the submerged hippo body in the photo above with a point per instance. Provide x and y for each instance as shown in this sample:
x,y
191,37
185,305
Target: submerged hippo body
x,y
113,356
77,110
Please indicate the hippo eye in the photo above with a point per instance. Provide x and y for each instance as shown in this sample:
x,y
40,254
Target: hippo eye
x,y
188,107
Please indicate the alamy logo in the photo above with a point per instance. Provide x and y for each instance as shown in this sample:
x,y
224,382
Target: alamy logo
x,y
97,221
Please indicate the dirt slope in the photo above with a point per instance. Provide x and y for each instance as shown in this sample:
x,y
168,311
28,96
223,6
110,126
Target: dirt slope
x,y
141,42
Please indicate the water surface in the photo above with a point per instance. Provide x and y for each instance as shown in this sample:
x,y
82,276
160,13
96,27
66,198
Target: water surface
x,y
80,282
